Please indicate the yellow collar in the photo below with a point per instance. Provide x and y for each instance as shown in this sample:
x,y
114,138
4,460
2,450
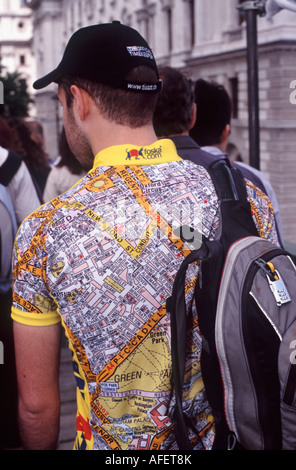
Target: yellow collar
x,y
161,151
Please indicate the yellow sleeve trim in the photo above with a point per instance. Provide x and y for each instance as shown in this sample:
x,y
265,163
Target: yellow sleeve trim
x,y
35,319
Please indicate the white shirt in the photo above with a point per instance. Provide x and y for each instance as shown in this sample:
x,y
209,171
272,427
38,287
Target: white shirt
x,y
21,190
59,180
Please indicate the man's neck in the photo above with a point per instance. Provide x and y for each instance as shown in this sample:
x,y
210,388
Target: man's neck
x,y
112,134
214,149
172,135
221,147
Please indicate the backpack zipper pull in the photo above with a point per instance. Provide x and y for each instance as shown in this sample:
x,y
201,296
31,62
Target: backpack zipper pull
x,y
276,284
268,268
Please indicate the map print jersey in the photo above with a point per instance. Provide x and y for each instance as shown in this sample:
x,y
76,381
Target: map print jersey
x,y
102,258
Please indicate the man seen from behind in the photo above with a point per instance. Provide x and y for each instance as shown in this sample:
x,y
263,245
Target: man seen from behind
x,y
101,260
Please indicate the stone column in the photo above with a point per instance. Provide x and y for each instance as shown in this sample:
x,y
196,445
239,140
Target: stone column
x,y
49,50
200,18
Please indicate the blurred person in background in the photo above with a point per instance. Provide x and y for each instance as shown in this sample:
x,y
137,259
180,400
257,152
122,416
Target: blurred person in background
x,y
197,119
22,199
36,131
212,129
175,115
32,151
66,172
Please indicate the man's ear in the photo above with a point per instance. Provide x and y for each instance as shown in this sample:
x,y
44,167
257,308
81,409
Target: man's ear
x,y
226,133
193,116
80,102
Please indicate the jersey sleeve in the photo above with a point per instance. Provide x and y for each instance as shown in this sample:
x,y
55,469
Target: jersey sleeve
x,y
263,213
32,303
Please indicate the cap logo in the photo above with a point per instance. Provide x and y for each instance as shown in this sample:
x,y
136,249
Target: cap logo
x,y
142,87
140,51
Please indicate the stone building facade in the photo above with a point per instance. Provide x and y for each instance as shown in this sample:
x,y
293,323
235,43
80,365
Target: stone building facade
x,y
16,38
203,38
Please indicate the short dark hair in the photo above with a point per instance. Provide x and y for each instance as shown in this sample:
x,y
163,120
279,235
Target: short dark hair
x,y
6,135
213,112
173,112
130,108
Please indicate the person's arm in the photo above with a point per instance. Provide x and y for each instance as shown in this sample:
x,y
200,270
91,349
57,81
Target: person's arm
x,y
37,351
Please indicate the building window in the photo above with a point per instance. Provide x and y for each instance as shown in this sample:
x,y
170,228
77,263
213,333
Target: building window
x,y
146,29
7,5
241,17
22,59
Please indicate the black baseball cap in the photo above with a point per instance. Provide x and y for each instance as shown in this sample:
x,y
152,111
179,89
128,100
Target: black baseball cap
x,y
105,53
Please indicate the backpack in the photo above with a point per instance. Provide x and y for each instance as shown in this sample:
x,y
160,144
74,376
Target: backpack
x,y
8,223
246,301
